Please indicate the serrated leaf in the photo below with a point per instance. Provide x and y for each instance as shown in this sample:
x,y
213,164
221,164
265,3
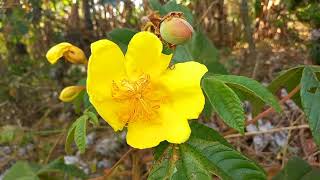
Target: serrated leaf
x,y
225,102
164,168
251,87
227,163
93,118
122,37
200,49
192,165
21,171
310,97
80,133
297,169
202,156
60,166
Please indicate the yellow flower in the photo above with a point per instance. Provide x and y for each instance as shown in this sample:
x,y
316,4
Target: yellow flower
x,y
139,91
69,93
70,52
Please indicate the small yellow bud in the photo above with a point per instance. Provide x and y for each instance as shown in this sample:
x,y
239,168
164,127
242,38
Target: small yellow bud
x,y
70,93
70,52
176,30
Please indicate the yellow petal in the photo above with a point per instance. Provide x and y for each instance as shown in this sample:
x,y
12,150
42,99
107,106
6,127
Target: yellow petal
x,y
109,111
169,126
57,51
70,52
183,83
70,93
144,55
106,64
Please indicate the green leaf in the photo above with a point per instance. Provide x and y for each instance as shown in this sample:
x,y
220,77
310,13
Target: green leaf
x,y
200,49
288,79
92,118
250,87
225,102
297,169
122,37
226,162
203,132
70,138
205,154
310,97
156,5
59,165
21,171
160,149
207,109
80,133
164,168
171,6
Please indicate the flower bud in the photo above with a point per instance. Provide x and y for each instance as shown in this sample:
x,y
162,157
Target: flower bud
x,y
70,93
70,52
176,30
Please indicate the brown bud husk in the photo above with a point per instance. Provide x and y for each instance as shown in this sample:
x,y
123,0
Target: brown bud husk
x,y
175,30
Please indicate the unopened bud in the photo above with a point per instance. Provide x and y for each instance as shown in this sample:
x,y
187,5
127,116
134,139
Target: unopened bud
x,y
176,30
70,93
70,52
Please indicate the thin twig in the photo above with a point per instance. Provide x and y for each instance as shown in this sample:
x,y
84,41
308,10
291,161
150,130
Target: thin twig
x,y
118,162
304,126
54,146
207,11
268,111
313,154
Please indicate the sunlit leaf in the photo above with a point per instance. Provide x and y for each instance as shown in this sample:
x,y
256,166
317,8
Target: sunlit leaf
x,y
225,102
251,87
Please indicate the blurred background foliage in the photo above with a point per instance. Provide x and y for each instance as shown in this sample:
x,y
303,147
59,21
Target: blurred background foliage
x,y
29,86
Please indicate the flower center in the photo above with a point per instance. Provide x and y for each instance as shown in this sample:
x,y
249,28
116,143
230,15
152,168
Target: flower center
x,y
140,98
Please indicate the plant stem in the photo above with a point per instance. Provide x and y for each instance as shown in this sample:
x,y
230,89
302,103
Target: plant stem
x,y
268,111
